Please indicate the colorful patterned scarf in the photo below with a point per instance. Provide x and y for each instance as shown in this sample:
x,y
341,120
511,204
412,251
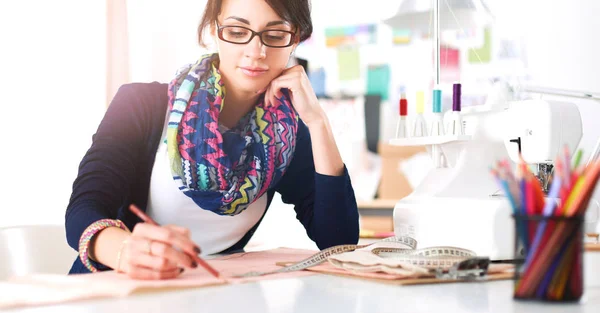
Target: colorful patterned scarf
x,y
225,172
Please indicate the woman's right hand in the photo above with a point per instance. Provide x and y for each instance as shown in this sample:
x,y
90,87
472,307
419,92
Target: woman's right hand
x,y
157,252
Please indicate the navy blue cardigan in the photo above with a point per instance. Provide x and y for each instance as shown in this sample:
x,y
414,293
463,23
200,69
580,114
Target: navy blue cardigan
x,y
116,171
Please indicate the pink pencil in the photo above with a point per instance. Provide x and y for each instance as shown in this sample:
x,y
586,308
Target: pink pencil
x,y
133,208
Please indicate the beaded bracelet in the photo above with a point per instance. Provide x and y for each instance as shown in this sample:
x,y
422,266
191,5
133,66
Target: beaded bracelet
x,y
88,234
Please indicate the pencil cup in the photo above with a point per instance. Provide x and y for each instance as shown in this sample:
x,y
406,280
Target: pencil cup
x,y
549,258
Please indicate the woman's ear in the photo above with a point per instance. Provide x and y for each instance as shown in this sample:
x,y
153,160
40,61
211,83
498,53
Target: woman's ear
x,y
213,31
213,34
294,46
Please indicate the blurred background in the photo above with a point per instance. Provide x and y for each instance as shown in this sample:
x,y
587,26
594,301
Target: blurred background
x,y
62,61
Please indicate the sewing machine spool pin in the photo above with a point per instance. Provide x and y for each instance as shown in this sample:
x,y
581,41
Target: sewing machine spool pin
x,y
544,175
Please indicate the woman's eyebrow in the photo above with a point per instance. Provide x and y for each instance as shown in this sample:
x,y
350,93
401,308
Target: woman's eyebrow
x,y
245,21
273,23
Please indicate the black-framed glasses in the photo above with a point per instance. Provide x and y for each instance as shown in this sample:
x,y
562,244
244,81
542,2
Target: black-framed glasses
x,y
242,35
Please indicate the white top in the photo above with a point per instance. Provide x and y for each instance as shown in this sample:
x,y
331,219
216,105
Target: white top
x,y
168,205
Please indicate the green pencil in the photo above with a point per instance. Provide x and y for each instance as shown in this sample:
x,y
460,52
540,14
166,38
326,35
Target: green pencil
x,y
578,156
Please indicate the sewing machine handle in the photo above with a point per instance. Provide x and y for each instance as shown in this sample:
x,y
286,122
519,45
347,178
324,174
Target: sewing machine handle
x,y
592,217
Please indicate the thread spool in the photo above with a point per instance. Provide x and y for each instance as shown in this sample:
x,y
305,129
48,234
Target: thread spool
x,y
454,122
401,126
419,128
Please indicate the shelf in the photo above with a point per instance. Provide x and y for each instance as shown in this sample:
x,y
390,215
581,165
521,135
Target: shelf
x,y
429,140
377,204
595,247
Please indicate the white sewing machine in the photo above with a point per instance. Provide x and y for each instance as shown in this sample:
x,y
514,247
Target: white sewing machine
x,y
459,202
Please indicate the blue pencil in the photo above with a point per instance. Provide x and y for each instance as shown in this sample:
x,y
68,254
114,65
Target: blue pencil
x,y
524,226
509,195
545,283
548,209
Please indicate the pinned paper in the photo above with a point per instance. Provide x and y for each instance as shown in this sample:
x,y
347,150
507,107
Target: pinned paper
x,y
450,64
348,64
317,80
483,54
357,35
401,36
378,80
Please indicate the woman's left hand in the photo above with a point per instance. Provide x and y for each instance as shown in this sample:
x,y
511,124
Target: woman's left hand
x,y
301,93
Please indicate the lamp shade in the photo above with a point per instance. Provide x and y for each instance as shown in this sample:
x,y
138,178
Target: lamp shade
x,y
416,15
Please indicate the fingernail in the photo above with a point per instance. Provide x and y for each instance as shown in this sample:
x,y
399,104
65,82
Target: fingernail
x,y
197,250
181,270
194,264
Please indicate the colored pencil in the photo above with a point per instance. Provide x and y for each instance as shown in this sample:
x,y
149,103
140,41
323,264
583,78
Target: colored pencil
x,y
133,208
548,251
553,238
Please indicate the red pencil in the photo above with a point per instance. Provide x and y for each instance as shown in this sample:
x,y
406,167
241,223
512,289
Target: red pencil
x,y
530,206
548,250
133,208
539,202
529,185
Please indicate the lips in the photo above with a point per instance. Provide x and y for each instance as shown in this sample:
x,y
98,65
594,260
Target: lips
x,y
253,71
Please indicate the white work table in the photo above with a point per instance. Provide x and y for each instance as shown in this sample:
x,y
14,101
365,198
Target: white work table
x,y
325,293
331,294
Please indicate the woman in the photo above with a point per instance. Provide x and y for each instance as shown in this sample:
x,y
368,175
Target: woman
x,y
208,151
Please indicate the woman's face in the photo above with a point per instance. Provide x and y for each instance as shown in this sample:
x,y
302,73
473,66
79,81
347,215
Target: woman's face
x,y
252,66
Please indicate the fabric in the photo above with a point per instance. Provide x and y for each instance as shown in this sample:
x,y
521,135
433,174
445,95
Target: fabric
x,y
38,290
167,205
117,168
46,289
224,174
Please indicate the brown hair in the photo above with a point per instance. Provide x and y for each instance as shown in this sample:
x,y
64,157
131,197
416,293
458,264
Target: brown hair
x,y
296,12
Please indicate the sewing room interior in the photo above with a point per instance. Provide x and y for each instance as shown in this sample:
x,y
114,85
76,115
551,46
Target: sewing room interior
x,y
468,132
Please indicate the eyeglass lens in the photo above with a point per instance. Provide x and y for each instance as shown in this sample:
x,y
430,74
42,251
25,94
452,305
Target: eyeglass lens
x,y
274,38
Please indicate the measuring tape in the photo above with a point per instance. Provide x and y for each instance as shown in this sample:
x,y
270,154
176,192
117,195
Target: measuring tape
x,y
401,248
431,258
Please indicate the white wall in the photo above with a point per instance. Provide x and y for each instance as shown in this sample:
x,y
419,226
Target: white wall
x,y
52,83
162,37
562,52
52,76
